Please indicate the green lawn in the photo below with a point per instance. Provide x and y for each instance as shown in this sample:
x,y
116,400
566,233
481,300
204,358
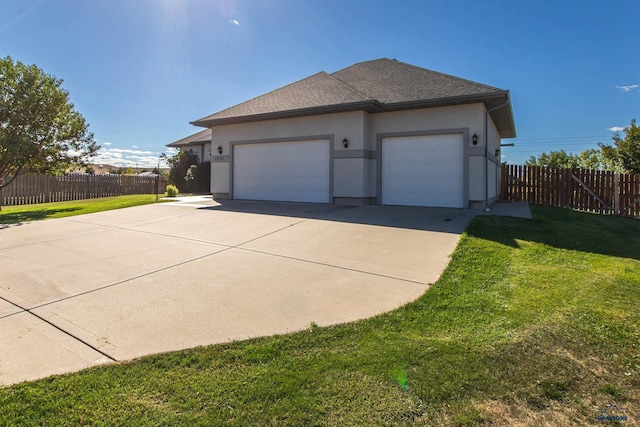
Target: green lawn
x,y
25,213
533,322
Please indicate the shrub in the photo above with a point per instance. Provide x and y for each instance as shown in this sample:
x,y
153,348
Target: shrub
x,y
179,165
172,190
198,177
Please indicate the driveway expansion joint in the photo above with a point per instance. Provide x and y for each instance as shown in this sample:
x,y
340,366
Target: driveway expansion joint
x,y
69,334
333,266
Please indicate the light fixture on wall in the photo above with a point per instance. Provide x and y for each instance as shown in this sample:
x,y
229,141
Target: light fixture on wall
x,y
219,149
497,152
475,139
345,142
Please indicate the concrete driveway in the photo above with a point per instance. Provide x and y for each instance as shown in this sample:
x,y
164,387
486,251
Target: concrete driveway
x,y
112,286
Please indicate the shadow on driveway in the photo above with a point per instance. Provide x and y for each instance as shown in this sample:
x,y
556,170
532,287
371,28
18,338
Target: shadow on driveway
x,y
446,220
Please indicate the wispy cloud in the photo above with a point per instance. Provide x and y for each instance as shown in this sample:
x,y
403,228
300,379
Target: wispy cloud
x,y
106,143
627,88
234,21
616,129
125,157
134,146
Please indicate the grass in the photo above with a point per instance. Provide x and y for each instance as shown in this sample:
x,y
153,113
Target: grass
x,y
532,323
26,213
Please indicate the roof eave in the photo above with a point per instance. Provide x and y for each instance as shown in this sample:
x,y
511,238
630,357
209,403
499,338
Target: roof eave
x,y
370,106
504,122
186,144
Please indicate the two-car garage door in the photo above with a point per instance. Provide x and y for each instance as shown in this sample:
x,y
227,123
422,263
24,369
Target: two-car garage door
x,y
294,171
425,170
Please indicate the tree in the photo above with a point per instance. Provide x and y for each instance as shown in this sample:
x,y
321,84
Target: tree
x,y
555,159
179,164
198,178
625,152
40,130
587,159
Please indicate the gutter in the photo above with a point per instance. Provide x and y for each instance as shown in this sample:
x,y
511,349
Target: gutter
x,y
486,152
370,106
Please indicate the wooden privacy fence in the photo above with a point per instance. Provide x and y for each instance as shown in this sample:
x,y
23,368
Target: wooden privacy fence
x,y
29,189
589,190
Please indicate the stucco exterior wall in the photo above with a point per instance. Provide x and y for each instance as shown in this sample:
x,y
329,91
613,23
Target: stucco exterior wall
x,y
203,151
355,168
220,179
348,172
469,116
461,116
342,125
493,162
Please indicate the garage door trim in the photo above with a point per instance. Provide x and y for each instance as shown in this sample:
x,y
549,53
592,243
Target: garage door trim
x,y
433,132
328,137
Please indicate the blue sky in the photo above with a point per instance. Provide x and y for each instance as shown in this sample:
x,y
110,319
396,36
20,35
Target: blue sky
x,y
141,70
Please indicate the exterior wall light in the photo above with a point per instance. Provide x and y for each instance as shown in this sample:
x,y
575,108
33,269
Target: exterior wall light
x,y
345,142
497,152
474,139
219,149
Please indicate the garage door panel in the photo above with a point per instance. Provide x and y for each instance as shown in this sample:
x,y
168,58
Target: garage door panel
x,y
423,170
282,171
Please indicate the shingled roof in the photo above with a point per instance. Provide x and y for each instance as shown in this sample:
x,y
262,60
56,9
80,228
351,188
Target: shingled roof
x,y
374,86
198,138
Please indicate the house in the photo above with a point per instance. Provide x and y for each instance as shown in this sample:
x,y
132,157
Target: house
x,y
378,132
197,145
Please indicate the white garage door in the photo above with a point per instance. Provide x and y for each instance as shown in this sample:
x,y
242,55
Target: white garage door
x,y
423,171
296,171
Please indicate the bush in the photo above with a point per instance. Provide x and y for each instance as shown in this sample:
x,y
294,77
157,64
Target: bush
x,y
172,190
179,165
198,177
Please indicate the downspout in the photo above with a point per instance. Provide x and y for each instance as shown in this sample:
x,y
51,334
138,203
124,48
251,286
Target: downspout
x,y
486,153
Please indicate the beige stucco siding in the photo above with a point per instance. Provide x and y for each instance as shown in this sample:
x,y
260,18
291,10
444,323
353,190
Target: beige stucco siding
x,y
462,116
349,177
493,161
354,169
220,177
469,116
342,125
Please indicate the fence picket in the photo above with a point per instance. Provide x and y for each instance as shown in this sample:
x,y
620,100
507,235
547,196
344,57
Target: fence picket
x,y
590,190
33,188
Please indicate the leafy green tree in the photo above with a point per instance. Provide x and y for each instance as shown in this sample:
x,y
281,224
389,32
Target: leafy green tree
x,y
89,169
198,177
590,159
40,130
556,159
179,164
625,151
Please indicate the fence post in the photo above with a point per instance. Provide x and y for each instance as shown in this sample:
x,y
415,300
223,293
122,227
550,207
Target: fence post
x,y
616,194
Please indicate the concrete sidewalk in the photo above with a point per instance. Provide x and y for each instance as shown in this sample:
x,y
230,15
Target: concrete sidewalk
x,y
112,286
510,209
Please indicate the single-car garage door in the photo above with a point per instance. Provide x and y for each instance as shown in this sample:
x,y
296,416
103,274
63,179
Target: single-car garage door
x,y
425,170
294,171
